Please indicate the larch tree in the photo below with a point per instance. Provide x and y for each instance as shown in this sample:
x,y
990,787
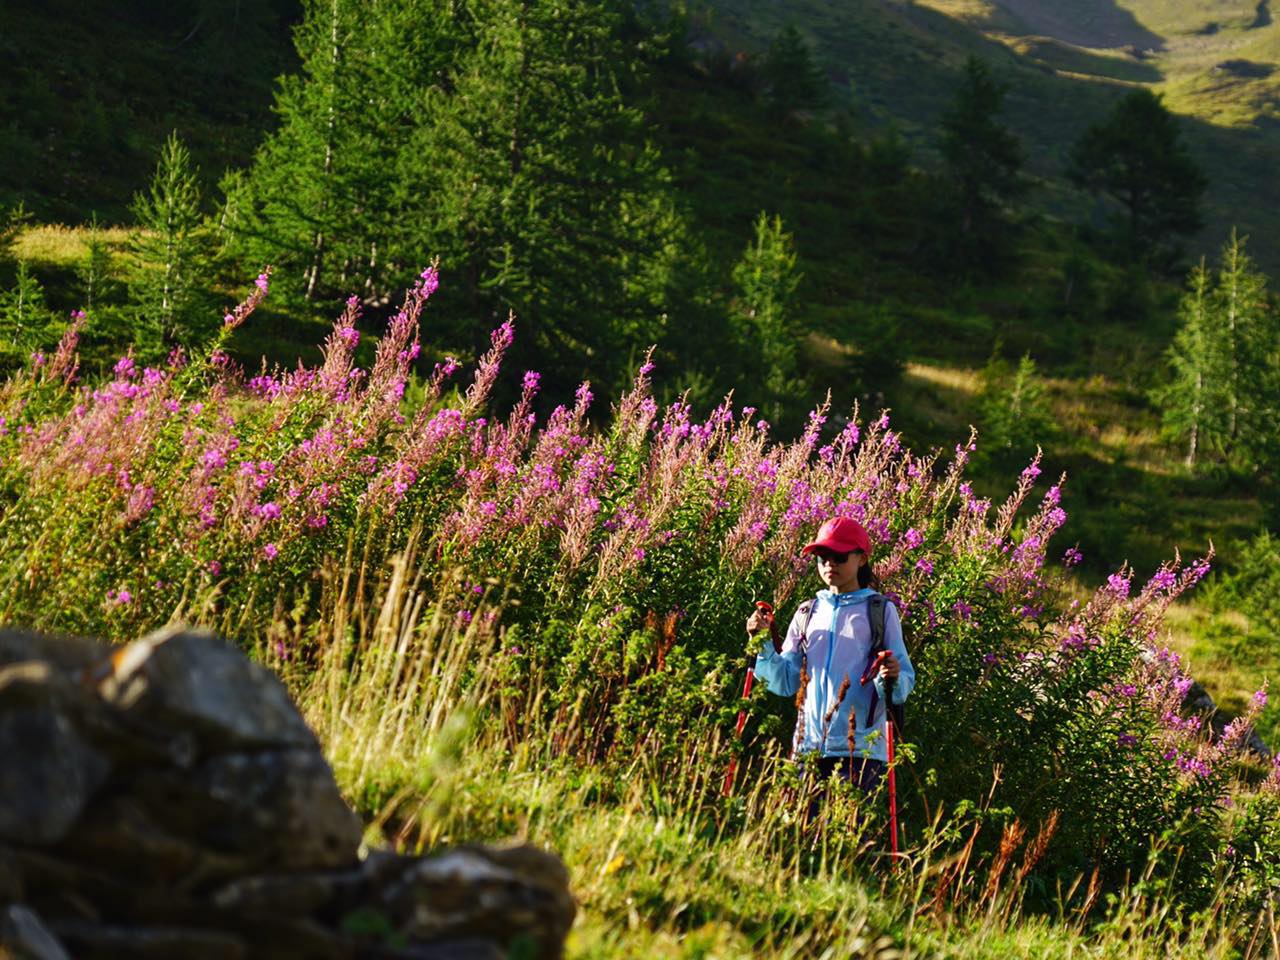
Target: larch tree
x,y
169,249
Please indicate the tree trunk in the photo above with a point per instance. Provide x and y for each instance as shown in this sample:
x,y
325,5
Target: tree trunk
x,y
317,252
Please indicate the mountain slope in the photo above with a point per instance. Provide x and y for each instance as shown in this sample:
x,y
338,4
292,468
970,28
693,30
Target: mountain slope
x,y
1066,62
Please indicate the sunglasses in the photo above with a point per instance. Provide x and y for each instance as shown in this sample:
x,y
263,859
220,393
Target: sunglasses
x,y
831,556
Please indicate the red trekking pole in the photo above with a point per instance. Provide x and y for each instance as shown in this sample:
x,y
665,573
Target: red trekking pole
x,y
888,740
767,609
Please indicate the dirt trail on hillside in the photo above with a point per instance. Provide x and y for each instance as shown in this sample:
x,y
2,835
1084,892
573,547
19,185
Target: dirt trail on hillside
x,y
1104,26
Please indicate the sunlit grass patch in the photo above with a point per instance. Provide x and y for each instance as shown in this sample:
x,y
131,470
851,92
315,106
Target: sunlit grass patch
x,y
56,244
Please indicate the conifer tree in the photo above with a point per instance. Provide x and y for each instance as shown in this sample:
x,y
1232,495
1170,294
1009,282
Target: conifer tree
x,y
1224,391
26,323
326,190
983,168
1251,345
1015,413
169,247
1136,157
766,278
544,199
95,269
1193,401
794,79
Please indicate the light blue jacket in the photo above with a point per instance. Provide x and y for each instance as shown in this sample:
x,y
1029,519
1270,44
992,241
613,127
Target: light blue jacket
x,y
839,645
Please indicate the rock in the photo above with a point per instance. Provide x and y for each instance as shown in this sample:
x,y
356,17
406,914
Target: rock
x,y
120,837
100,942
503,894
26,938
168,800
47,775
69,654
278,809
11,886
187,679
62,889
291,894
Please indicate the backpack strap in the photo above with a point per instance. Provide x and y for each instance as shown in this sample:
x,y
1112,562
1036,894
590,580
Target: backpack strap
x,y
876,604
875,613
806,611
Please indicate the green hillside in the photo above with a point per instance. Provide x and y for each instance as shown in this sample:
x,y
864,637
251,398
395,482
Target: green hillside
x,y
1066,63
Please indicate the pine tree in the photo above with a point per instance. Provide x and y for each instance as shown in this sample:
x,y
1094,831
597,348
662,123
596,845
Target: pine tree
x,y
766,278
983,168
1251,335
1239,301
169,248
26,322
793,79
1015,413
1137,158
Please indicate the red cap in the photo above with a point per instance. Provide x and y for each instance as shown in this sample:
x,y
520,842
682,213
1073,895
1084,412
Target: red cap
x,y
843,535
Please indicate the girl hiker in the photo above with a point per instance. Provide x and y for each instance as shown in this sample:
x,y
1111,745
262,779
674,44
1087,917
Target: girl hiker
x,y
828,649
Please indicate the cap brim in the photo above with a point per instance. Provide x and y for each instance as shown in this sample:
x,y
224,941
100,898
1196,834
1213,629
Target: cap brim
x,y
831,545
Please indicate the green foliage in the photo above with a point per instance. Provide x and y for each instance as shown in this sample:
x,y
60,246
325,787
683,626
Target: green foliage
x,y
983,169
14,220
1223,398
766,278
1137,158
170,250
26,322
544,194
497,135
793,80
1015,414
1253,586
322,194
96,270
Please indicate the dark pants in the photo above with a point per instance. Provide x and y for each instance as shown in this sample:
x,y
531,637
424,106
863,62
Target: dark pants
x,y
865,772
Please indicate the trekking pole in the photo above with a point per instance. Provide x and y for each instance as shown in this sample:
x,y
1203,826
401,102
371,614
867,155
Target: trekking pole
x,y
888,740
767,610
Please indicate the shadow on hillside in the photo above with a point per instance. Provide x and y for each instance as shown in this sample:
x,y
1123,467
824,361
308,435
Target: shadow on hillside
x,y
1058,56
1104,27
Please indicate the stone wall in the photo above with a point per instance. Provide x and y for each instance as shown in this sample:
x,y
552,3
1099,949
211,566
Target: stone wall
x,y
166,800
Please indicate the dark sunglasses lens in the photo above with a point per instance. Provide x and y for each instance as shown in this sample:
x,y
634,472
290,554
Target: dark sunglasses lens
x,y
831,556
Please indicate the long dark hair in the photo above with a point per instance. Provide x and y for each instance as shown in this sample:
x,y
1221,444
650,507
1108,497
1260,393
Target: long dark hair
x,y
866,576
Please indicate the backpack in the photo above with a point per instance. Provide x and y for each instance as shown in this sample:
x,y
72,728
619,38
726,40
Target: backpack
x,y
875,613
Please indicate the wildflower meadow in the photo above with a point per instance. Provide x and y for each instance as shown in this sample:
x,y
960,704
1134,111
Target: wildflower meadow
x,y
551,608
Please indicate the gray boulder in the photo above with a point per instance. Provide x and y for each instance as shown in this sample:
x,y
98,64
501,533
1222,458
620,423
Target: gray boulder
x,y
166,799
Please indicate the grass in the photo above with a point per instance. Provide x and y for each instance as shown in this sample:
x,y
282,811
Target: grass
x,y
452,754
58,245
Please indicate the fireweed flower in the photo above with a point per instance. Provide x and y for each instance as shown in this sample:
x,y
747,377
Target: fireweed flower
x,y
270,551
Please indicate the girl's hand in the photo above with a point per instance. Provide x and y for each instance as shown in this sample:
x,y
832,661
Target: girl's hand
x,y
890,669
759,620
